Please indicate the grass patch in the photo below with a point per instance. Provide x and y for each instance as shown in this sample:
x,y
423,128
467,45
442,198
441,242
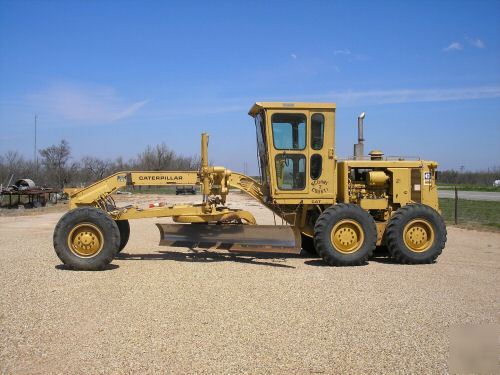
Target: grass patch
x,y
472,214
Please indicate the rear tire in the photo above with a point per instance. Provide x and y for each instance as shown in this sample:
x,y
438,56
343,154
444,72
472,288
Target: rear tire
x,y
345,235
416,234
124,228
86,238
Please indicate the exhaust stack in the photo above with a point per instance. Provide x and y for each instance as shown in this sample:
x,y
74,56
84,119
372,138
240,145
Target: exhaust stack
x,y
359,147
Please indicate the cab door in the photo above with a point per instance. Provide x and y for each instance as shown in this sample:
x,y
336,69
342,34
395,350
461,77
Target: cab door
x,y
321,155
301,155
288,153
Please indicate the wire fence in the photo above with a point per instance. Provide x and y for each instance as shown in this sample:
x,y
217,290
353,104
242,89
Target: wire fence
x,y
470,213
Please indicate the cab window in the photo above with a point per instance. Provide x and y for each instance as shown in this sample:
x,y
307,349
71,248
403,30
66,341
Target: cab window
x,y
289,131
317,130
316,166
291,171
260,127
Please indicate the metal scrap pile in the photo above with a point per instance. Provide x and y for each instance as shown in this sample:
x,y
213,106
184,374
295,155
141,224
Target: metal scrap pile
x,y
25,193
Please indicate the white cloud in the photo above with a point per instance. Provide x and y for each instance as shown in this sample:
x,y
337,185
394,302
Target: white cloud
x,y
347,98
91,104
344,51
455,46
293,56
349,55
375,97
343,98
476,42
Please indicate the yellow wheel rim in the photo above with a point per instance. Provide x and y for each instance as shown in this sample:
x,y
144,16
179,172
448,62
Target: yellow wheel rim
x,y
347,236
418,235
85,240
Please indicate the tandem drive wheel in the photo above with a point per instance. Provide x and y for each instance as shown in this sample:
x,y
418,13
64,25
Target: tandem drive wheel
x,y
416,234
86,238
345,235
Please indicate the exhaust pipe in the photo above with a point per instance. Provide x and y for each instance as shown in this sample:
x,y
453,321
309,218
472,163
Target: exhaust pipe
x,y
359,147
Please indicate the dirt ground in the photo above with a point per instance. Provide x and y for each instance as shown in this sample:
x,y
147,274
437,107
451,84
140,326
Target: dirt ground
x,y
159,309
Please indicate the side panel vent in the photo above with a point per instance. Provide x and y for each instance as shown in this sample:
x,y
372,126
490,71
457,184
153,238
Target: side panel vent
x,y
416,185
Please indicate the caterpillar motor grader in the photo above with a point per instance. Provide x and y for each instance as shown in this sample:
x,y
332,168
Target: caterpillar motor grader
x,y
340,209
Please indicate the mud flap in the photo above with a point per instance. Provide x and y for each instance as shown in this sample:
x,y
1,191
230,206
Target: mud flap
x,y
232,237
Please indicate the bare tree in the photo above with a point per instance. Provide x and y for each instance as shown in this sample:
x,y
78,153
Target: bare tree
x,y
96,168
54,161
13,161
156,158
13,164
119,165
57,170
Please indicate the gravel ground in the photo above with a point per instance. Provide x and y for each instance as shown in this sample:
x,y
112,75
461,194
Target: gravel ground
x,y
160,309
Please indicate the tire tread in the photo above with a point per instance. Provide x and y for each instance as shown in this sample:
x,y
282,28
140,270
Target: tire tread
x,y
322,225
398,221
94,215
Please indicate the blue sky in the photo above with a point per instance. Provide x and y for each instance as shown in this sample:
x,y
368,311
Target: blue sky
x,y
114,76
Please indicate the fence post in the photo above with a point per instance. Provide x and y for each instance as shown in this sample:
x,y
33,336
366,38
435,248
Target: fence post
x,y
456,205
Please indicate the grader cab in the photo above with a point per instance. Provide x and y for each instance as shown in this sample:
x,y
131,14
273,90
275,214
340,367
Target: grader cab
x,y
339,209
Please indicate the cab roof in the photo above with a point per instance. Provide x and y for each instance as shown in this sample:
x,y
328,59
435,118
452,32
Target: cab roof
x,y
288,105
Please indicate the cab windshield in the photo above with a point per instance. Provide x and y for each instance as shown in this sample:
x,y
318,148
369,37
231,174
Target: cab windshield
x,y
289,131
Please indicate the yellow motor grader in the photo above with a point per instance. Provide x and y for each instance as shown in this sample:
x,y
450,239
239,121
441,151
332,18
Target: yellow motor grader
x,y
339,209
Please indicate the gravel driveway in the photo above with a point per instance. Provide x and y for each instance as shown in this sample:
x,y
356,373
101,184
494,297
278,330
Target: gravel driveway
x,y
159,309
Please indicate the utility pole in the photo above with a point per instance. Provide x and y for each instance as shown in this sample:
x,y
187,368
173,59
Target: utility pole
x,y
35,157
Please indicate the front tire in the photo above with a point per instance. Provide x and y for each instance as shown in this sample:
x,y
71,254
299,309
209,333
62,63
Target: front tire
x,y
86,238
345,235
416,234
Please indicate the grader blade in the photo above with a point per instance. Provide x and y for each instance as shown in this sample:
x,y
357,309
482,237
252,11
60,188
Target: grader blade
x,y
232,237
